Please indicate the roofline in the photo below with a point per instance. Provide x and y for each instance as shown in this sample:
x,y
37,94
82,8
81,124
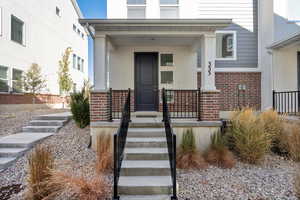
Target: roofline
x,y
285,42
77,8
184,22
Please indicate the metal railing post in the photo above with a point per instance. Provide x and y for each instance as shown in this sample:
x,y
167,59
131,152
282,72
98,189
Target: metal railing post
x,y
116,164
199,104
110,105
273,99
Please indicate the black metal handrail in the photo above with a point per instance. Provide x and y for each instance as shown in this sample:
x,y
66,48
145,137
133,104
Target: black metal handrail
x,y
117,101
286,102
183,103
119,144
171,141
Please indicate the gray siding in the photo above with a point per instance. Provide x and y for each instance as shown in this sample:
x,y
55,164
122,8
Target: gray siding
x,y
245,16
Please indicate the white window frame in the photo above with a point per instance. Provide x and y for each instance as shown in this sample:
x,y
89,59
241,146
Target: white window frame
x,y
234,46
170,5
24,31
137,6
12,81
8,79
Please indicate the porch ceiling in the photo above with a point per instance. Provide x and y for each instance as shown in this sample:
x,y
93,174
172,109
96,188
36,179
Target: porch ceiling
x,y
154,40
154,26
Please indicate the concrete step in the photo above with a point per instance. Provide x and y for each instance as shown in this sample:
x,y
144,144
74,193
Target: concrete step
x,y
6,162
41,129
146,154
146,132
145,197
56,116
12,152
47,122
145,185
22,140
146,142
145,168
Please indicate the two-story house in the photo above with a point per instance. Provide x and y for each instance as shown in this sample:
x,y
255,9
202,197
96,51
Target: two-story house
x,y
34,31
147,45
280,54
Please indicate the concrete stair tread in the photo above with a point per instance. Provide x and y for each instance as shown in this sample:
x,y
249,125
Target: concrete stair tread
x,y
41,127
6,161
145,130
47,120
145,181
12,150
146,139
22,139
146,164
145,197
146,150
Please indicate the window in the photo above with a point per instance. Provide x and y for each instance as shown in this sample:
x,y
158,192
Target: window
x,y
166,60
82,64
166,77
293,10
82,35
136,2
78,63
226,45
17,28
57,10
169,9
4,79
78,31
74,27
74,87
16,80
136,12
74,61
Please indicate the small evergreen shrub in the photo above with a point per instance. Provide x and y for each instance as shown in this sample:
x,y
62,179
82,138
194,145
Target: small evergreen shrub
x,y
218,153
248,136
40,163
188,157
80,108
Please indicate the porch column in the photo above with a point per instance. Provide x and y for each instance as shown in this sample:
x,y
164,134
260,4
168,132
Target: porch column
x,y
209,101
100,97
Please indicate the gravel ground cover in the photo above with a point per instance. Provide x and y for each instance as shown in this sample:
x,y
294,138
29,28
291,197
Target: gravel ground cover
x,y
12,122
69,148
272,180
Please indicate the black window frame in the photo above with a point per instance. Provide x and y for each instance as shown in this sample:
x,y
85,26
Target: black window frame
x,y
18,34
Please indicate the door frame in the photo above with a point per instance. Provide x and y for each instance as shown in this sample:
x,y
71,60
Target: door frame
x,y
156,55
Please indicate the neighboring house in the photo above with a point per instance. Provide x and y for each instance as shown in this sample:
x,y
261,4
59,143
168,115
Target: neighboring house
x,y
147,45
280,53
35,31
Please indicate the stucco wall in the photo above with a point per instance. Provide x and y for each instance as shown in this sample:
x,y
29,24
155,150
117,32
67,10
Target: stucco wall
x,y
122,66
46,38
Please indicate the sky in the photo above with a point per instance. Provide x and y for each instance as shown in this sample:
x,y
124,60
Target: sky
x,y
92,9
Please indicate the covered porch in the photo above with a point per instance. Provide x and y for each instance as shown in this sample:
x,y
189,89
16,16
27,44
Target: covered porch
x,y
145,56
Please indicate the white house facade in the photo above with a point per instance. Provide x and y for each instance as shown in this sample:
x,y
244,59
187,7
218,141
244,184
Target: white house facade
x,y
34,31
280,54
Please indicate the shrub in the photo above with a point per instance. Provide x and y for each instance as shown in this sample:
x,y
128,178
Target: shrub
x,y
297,183
40,163
291,140
80,109
218,154
79,187
188,157
248,136
274,126
104,162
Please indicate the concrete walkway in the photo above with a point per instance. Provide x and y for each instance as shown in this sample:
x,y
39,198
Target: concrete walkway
x,y
14,146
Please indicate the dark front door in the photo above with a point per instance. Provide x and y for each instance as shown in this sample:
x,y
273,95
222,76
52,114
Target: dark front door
x,y
298,68
146,81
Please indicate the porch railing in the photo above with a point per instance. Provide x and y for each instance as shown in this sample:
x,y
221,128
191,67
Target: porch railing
x,y
171,142
286,102
117,101
183,103
119,143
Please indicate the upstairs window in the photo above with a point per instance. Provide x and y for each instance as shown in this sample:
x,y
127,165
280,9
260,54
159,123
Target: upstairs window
x,y
74,27
57,10
169,9
226,45
16,80
166,60
0,21
78,63
136,9
293,10
74,61
17,29
4,79
82,64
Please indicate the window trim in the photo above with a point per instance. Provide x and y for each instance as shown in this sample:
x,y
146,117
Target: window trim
x,y
7,79
234,58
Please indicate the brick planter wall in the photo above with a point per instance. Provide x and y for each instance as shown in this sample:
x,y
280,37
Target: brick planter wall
x,y
99,106
28,99
209,106
230,98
